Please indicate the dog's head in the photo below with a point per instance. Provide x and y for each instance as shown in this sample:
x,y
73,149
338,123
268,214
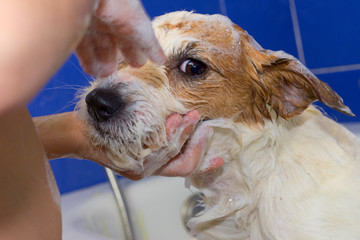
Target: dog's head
x,y
213,66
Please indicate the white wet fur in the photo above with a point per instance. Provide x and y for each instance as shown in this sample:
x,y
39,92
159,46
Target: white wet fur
x,y
129,141
296,179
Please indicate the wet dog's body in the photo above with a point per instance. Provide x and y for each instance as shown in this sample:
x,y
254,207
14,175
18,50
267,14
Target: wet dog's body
x,y
289,172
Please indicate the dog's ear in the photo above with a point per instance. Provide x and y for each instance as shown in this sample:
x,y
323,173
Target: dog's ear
x,y
288,86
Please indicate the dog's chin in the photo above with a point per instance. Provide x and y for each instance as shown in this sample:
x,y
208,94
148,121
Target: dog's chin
x,y
130,143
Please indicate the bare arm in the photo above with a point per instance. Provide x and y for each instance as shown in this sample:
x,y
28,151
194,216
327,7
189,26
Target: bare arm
x,y
30,201
64,135
37,37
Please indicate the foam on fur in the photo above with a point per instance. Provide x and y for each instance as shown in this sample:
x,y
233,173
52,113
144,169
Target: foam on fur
x,y
289,172
296,179
140,130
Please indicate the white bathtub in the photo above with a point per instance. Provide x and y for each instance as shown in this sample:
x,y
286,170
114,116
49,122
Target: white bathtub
x,y
155,203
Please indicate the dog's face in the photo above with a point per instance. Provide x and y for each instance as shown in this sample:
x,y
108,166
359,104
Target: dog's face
x,y
214,67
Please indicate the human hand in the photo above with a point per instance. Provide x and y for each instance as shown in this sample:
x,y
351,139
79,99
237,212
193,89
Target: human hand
x,y
119,30
178,129
64,135
187,162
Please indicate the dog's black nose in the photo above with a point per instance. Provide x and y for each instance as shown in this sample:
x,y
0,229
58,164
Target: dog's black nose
x,y
103,104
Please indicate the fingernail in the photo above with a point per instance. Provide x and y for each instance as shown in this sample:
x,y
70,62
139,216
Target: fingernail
x,y
137,63
158,56
192,115
213,164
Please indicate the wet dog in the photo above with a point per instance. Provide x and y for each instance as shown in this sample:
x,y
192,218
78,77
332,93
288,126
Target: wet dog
x,y
290,172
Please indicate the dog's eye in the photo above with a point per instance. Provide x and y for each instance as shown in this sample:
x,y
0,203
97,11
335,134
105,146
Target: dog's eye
x,y
193,67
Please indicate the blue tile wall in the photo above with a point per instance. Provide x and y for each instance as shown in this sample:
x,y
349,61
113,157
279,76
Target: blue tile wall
x,y
330,32
347,85
330,36
157,8
58,96
268,21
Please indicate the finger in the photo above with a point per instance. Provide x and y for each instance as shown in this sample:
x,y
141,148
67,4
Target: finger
x,y
172,123
130,175
85,54
188,125
98,51
181,126
132,26
186,163
106,57
133,55
96,64
142,45
156,53
101,158
213,164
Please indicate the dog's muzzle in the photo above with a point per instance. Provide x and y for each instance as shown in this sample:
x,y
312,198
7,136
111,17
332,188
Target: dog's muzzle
x,y
104,104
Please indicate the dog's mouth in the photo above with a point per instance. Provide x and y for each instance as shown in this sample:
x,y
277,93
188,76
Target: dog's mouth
x,y
129,123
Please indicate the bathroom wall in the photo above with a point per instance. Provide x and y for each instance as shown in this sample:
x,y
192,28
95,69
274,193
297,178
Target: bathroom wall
x,y
323,34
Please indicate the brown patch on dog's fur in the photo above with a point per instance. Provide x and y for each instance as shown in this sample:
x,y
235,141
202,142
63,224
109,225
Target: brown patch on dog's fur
x,y
244,82
185,26
150,74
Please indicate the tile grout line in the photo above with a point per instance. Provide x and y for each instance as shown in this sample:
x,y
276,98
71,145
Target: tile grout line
x,y
335,69
297,33
300,48
222,5
299,44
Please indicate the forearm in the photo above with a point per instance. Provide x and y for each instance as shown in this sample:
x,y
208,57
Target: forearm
x,y
59,134
29,204
39,36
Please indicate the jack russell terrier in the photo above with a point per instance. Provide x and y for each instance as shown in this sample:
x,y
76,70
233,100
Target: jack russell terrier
x,y
290,172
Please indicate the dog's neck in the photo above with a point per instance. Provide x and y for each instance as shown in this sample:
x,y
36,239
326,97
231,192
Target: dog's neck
x,y
261,165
